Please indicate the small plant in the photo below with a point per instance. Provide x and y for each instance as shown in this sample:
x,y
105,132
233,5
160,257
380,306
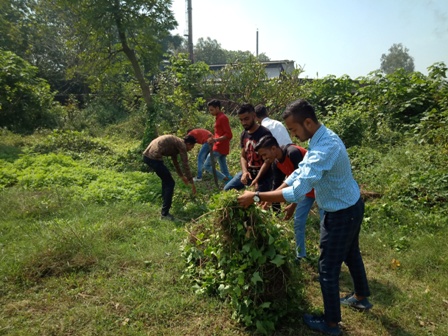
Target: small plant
x,y
243,256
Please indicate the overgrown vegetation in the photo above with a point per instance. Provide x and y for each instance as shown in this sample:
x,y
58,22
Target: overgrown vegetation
x,y
83,251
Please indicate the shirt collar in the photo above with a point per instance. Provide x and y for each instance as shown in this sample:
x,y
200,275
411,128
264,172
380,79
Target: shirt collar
x,y
317,136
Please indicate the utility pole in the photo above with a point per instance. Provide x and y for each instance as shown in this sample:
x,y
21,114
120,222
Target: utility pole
x,y
256,53
190,31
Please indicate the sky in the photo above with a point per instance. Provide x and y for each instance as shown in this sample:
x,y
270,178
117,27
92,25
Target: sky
x,y
324,37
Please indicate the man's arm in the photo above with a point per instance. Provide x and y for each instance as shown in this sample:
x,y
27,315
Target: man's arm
x,y
247,198
176,166
264,168
185,165
243,161
187,178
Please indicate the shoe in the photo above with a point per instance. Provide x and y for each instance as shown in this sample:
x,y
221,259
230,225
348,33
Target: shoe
x,y
197,179
351,301
168,217
318,323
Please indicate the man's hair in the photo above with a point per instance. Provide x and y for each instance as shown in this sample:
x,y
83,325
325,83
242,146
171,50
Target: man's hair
x,y
261,111
246,108
214,103
189,139
300,110
266,141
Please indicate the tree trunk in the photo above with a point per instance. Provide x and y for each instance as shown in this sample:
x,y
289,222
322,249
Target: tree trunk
x,y
130,53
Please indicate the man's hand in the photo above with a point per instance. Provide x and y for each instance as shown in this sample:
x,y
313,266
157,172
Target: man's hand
x,y
246,199
265,205
211,141
245,177
254,183
289,210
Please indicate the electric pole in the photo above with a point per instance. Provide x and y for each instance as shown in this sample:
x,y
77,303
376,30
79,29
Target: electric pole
x,y
190,30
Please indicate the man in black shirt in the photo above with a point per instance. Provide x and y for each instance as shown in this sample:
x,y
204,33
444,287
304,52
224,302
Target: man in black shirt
x,y
254,171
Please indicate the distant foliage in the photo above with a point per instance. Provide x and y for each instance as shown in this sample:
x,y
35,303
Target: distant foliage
x,y
25,99
245,257
381,109
397,58
210,51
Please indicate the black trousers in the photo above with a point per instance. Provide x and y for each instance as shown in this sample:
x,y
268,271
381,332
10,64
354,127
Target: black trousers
x,y
167,182
339,242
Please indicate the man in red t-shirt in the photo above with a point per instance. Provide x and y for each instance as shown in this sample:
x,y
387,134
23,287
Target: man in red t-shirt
x,y
286,159
220,141
201,135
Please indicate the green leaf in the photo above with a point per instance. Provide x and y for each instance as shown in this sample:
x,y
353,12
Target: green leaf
x,y
278,260
256,278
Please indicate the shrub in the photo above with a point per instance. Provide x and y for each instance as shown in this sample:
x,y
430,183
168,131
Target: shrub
x,y
348,124
25,100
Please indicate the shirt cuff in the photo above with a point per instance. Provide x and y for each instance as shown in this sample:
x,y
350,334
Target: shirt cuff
x,y
288,194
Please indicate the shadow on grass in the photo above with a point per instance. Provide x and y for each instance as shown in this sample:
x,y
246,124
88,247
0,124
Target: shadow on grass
x,y
383,294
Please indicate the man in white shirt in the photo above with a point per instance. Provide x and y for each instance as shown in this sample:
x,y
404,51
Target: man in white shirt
x,y
276,127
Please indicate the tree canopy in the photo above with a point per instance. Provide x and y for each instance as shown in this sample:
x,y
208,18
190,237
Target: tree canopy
x,y
210,51
398,57
25,99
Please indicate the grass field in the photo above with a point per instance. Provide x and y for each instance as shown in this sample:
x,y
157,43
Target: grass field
x,y
70,266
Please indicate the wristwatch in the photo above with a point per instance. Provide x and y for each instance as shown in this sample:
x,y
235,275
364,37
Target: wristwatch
x,y
257,197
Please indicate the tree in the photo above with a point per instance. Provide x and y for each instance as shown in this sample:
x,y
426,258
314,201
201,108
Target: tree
x,y
209,51
233,56
398,57
120,36
263,57
15,23
25,102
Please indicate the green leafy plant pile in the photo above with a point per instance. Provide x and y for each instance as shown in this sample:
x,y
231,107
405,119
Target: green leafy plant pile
x,y
243,256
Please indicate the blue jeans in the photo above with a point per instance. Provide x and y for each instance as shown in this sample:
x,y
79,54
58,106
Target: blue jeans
x,y
202,155
300,217
235,183
339,242
224,173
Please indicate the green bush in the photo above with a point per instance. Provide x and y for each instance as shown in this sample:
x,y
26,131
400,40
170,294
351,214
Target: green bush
x,y
348,123
25,99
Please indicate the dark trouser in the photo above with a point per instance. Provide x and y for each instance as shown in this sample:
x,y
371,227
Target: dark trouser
x,y
167,182
339,242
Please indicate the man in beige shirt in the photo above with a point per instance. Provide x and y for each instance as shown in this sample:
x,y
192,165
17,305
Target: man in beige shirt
x,y
170,145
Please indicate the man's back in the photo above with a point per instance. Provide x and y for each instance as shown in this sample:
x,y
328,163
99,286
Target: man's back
x,y
278,130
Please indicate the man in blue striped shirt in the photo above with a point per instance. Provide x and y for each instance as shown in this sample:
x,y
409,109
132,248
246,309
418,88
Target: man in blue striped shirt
x,y
326,168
